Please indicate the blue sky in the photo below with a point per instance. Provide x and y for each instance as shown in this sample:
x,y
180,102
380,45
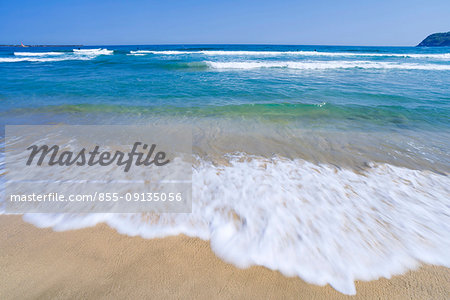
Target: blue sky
x,y
313,22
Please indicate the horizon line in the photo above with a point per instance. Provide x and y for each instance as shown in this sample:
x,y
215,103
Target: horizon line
x,y
204,44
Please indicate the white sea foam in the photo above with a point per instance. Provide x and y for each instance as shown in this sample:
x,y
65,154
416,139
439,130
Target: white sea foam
x,y
38,53
299,53
320,65
77,54
318,222
98,51
43,59
163,52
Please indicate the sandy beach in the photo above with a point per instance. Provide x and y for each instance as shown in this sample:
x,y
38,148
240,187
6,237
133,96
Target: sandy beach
x,y
99,263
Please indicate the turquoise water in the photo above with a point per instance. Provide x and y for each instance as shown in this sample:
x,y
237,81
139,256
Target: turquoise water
x,y
328,163
383,90
413,83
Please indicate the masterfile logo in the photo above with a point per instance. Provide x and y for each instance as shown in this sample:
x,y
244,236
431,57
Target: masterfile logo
x,y
89,168
94,157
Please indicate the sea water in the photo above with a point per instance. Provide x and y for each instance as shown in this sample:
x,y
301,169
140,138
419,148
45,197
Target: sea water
x,y
327,163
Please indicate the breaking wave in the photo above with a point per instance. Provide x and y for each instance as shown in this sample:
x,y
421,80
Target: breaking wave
x,y
322,223
98,51
42,59
38,53
299,53
77,54
321,65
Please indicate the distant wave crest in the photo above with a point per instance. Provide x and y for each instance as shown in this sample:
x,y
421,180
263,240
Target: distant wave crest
x,y
76,54
98,51
321,65
299,53
38,53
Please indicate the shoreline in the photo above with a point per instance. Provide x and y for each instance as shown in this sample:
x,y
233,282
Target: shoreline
x,y
98,262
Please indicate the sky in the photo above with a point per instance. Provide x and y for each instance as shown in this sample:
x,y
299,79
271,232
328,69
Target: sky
x,y
138,22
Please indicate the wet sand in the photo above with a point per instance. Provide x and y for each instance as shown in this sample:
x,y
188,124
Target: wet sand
x,y
99,263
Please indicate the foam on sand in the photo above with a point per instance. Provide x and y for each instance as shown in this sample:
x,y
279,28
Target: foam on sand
x,y
319,222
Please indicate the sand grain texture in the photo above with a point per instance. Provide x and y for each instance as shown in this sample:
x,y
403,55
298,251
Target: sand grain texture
x,y
99,263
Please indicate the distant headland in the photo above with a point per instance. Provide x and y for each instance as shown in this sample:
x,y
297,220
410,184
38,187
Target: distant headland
x,y
441,39
25,46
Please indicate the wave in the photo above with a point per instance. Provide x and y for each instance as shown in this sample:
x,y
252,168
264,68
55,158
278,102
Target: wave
x,y
77,54
319,222
163,52
300,53
98,51
38,53
42,59
322,65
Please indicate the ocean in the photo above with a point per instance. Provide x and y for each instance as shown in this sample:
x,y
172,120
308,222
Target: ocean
x,y
330,163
